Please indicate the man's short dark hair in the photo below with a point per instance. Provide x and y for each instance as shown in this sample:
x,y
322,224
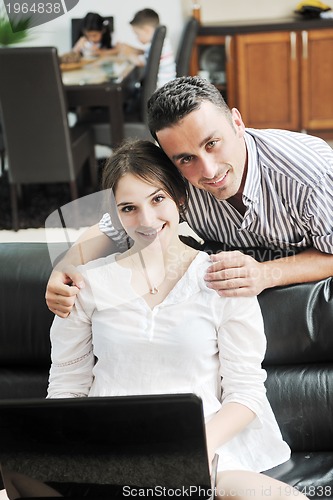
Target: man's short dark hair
x,y
178,98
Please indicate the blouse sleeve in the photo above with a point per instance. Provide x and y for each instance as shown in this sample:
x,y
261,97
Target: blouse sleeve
x,y
242,345
71,354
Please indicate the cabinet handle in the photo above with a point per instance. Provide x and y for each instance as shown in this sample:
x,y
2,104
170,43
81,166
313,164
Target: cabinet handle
x,y
228,39
305,44
293,45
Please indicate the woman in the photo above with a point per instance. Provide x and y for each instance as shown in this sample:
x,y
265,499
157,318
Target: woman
x,y
146,323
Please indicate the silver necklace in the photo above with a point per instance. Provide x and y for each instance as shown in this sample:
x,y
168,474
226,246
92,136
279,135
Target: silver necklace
x,y
153,290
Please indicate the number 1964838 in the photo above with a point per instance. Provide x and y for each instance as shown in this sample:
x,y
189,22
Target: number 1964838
x,y
34,8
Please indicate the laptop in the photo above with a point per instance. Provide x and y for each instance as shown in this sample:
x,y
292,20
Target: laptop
x,y
105,448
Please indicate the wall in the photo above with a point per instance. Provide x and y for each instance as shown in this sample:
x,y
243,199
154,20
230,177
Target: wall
x,y
57,32
172,14
213,11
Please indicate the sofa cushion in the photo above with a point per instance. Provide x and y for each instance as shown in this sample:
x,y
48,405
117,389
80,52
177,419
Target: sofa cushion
x,y
298,323
310,472
25,319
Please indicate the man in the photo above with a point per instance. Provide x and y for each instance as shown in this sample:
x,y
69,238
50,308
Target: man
x,y
268,189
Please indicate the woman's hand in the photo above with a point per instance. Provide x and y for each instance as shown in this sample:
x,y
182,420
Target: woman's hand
x,y
230,420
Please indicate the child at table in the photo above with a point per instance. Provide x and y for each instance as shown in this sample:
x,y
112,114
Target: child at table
x,y
144,24
96,37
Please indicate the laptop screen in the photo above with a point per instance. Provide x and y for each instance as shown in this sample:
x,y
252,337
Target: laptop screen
x,y
105,447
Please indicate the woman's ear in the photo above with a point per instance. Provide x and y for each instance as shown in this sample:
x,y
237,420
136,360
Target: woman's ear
x,y
182,207
181,202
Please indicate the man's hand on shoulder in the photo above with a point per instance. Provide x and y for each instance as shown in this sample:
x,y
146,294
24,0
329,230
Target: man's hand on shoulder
x,y
233,274
63,286
65,281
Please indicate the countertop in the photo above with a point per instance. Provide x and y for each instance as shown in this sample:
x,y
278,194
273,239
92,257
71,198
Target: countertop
x,y
294,23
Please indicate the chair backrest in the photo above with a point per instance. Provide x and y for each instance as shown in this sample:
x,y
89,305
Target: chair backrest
x,y
76,27
2,143
151,69
184,51
33,113
2,151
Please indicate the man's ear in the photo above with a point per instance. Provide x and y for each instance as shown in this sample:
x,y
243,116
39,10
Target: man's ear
x,y
238,121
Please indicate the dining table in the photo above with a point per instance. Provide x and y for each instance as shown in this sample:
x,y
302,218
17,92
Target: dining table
x,y
100,83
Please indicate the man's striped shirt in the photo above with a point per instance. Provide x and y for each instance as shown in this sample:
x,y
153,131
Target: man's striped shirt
x,y
288,195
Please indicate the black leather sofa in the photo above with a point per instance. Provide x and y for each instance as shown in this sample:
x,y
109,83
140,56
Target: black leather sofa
x,y
299,359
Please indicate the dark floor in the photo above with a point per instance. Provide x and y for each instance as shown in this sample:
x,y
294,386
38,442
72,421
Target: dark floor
x,y
37,201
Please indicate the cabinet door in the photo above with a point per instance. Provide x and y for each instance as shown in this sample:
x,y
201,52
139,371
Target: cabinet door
x,y
317,79
213,58
268,80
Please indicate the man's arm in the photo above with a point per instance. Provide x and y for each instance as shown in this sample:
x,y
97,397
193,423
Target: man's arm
x,y
234,274
65,281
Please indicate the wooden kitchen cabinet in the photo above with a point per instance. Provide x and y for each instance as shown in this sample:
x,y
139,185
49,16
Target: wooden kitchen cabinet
x,y
215,57
317,79
277,78
267,84
284,79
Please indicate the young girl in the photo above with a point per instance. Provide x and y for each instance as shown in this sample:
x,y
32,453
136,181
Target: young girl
x,y
146,323
96,37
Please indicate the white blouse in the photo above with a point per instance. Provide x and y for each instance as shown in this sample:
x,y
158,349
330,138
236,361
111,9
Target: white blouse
x,y
195,341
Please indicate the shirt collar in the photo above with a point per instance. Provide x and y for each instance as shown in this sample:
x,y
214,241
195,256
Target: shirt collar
x,y
251,190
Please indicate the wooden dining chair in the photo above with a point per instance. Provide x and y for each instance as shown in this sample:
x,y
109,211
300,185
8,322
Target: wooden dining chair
x,y
41,147
136,123
184,51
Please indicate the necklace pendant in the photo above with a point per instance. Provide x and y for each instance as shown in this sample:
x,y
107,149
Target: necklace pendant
x,y
153,290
